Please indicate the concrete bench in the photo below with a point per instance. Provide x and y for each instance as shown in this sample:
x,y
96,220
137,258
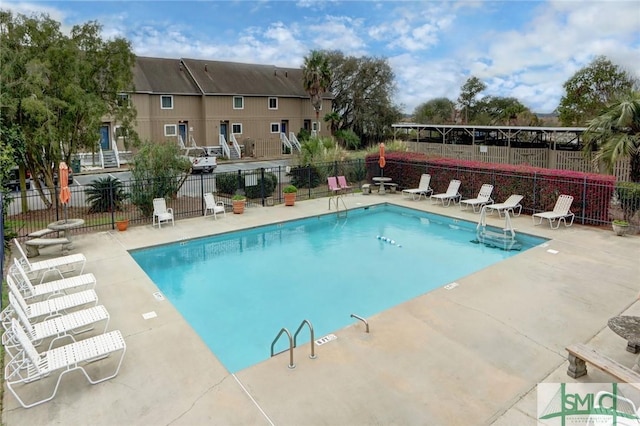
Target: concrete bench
x,y
41,233
580,354
34,245
391,187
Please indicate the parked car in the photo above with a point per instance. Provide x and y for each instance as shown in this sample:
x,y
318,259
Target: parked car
x,y
55,177
14,180
201,160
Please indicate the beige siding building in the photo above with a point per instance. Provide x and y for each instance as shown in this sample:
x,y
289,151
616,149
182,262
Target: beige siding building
x,y
210,103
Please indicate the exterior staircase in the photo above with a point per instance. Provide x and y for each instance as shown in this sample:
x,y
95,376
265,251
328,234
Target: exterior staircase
x,y
109,158
233,155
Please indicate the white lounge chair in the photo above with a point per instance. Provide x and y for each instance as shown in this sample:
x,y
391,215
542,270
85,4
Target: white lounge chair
x,y
28,365
73,263
64,326
46,308
451,194
561,212
161,213
511,204
50,288
213,206
483,198
422,189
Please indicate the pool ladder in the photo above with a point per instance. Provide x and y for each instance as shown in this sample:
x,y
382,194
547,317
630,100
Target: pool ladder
x,y
337,199
293,343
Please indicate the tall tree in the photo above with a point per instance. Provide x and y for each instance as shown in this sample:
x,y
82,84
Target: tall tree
x,y
57,88
362,91
591,89
615,134
435,111
316,76
498,110
468,93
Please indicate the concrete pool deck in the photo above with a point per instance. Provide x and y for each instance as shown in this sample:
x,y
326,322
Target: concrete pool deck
x,y
469,355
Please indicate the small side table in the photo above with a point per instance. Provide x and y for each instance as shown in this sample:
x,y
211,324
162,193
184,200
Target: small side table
x,y
627,327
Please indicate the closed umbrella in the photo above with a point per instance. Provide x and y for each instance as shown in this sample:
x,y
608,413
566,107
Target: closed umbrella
x,y
65,193
381,160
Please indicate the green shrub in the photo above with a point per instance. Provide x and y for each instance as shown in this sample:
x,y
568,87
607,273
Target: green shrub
x,y
301,179
227,183
629,197
105,195
270,183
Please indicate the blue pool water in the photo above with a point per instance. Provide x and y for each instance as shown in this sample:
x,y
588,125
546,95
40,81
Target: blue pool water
x,y
238,290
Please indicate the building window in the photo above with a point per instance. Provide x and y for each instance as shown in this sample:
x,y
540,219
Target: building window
x,y
314,126
238,102
275,127
273,103
170,130
166,102
236,128
123,100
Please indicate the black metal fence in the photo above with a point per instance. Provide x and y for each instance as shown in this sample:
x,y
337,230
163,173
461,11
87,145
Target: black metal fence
x,y
28,212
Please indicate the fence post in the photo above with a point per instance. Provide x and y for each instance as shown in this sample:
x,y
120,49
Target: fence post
x,y
262,185
584,198
309,179
112,205
202,206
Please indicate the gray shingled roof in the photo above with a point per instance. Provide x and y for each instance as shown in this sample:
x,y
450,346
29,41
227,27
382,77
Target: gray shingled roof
x,y
232,78
158,75
173,76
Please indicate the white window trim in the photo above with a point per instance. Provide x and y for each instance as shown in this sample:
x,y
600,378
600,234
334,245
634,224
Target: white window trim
x,y
314,126
277,125
234,102
166,96
169,126
125,96
269,102
236,124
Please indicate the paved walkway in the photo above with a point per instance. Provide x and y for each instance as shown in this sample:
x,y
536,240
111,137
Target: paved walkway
x,y
470,355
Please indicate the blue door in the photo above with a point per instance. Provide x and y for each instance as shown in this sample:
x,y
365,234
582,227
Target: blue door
x,y
223,131
104,137
283,126
182,131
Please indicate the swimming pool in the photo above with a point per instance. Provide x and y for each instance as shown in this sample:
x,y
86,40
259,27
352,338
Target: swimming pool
x,y
238,290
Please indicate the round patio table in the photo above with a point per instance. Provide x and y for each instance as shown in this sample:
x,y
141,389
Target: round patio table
x,y
627,327
66,225
381,180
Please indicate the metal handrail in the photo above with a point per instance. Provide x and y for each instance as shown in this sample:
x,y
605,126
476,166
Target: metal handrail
x,y
363,320
313,342
284,330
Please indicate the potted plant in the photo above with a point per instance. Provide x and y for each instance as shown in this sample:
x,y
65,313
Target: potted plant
x,y
289,192
620,227
238,202
122,223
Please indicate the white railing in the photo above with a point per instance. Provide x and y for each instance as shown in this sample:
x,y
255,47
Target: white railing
x,y
285,141
192,141
235,144
181,142
101,158
294,141
226,153
116,153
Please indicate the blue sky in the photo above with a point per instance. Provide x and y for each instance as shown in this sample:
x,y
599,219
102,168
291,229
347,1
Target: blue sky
x,y
521,49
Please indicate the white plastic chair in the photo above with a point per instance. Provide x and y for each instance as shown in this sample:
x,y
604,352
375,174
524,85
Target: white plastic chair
x,y
50,288
73,263
46,308
422,189
64,326
511,204
483,198
213,206
451,194
161,213
561,212
29,366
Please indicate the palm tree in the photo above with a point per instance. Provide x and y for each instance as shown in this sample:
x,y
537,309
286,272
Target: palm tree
x,y
615,134
333,119
316,78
